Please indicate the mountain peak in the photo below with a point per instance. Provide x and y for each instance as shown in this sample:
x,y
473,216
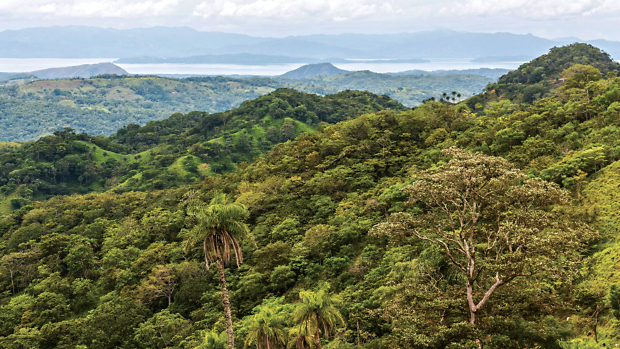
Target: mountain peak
x,y
312,70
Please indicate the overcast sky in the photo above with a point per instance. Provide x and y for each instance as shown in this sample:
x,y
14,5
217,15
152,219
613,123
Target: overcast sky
x,y
586,19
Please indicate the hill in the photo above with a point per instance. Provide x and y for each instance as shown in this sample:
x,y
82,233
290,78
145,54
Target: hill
x,y
335,218
79,71
312,70
104,103
410,90
538,78
488,72
179,150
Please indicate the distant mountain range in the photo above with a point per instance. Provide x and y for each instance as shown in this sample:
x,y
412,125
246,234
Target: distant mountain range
x,y
239,58
255,59
170,42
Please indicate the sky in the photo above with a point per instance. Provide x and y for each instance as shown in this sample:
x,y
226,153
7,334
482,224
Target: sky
x,y
585,19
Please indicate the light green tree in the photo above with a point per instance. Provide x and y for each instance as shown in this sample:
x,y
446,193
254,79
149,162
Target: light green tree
x,y
318,312
493,224
267,328
213,340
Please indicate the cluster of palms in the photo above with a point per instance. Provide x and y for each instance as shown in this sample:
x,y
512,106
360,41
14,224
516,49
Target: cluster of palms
x,y
219,228
455,96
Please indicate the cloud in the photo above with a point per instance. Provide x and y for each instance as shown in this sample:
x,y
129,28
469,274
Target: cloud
x,y
337,10
531,9
88,8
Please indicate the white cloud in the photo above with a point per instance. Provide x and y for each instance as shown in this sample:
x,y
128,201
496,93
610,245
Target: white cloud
x,y
337,10
88,8
531,9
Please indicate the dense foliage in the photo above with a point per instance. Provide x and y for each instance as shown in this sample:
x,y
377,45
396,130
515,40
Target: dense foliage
x,y
409,89
179,150
536,79
345,249
105,103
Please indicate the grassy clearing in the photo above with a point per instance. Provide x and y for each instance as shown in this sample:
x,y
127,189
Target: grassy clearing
x,y
9,145
100,155
5,203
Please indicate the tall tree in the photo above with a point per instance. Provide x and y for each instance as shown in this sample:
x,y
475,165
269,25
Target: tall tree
x,y
317,313
493,224
219,226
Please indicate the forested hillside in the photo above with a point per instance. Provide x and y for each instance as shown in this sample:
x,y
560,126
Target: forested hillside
x,y
179,150
409,89
103,104
438,227
539,77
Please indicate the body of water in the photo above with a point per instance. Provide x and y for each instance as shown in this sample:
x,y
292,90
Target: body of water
x,y
32,64
25,65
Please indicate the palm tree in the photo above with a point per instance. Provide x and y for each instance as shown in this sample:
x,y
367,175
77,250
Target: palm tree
x,y
317,313
300,340
266,329
219,226
213,340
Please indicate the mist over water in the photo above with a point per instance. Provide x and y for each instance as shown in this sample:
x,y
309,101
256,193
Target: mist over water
x,y
32,64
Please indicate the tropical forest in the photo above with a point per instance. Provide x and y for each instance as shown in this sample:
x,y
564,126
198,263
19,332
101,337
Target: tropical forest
x,y
338,220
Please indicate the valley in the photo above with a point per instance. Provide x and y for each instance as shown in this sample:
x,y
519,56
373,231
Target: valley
x,y
345,210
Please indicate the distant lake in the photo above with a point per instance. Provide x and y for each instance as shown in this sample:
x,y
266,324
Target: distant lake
x,y
32,64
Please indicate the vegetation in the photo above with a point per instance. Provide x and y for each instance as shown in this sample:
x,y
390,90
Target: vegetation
x,y
220,227
103,104
106,103
409,90
536,79
437,227
179,150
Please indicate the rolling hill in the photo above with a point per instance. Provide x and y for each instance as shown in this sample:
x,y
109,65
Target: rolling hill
x,y
178,150
313,70
80,71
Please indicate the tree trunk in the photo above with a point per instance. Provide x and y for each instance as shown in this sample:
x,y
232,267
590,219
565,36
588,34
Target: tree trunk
x,y
470,301
12,282
225,301
357,321
596,313
317,339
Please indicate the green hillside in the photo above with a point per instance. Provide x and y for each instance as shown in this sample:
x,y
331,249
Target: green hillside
x,y
103,104
179,150
437,227
536,79
410,90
